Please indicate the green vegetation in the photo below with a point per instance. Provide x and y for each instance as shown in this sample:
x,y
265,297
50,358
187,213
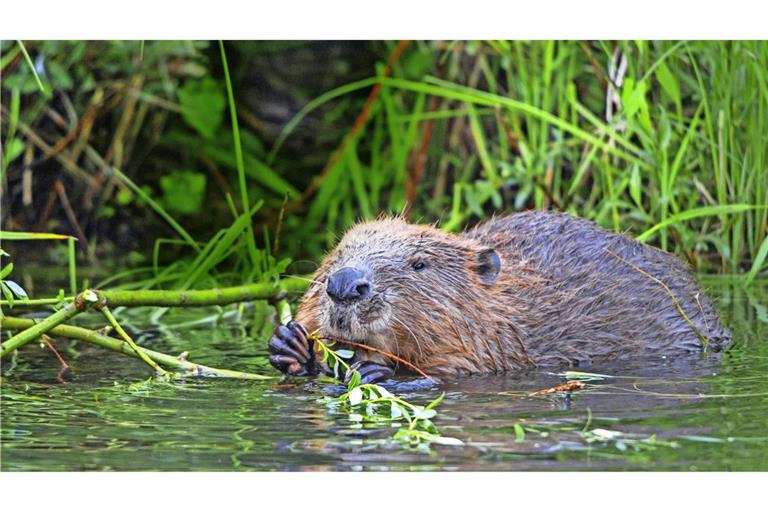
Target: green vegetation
x,y
198,173
372,405
663,139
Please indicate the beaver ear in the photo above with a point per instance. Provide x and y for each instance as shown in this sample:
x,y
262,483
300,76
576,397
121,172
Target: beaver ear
x,y
488,265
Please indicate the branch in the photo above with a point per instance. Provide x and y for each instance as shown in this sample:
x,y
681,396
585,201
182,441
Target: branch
x,y
80,304
117,327
187,298
90,336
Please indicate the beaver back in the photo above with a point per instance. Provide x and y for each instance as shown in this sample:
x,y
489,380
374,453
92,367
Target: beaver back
x,y
605,293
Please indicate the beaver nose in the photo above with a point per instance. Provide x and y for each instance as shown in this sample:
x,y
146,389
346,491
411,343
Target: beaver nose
x,y
348,285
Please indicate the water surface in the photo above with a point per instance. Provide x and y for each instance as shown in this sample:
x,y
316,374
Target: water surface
x,y
102,414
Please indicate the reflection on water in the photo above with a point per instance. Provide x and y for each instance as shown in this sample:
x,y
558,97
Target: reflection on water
x,y
102,414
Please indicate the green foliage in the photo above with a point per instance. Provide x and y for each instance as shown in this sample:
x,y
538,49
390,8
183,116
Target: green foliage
x,y
660,139
183,191
202,105
9,288
374,405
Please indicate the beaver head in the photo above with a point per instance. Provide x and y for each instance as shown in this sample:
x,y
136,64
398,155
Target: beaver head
x,y
392,285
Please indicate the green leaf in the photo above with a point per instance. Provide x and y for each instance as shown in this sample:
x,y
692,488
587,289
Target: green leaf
x,y
7,270
7,292
575,375
760,259
519,433
13,149
202,103
20,235
436,401
354,380
416,64
635,186
183,191
704,211
345,354
633,97
15,288
124,196
355,396
448,441
426,414
669,84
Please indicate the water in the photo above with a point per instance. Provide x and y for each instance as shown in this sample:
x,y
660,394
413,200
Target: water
x,y
102,414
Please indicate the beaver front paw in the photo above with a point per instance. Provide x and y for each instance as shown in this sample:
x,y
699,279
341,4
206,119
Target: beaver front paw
x,y
370,372
293,352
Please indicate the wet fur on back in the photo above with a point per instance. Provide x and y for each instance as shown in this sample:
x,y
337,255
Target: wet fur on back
x,y
535,288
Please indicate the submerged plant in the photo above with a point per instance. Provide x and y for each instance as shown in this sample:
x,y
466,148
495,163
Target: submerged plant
x,y
374,404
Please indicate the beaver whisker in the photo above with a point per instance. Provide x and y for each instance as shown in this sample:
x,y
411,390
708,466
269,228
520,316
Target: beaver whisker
x,y
415,339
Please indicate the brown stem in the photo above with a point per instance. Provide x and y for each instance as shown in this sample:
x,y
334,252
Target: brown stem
x,y
383,352
64,200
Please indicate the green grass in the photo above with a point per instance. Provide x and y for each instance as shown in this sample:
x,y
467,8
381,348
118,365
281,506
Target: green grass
x,y
681,163
678,160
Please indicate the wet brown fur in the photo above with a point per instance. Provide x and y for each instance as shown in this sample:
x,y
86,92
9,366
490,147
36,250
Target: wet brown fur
x,y
564,295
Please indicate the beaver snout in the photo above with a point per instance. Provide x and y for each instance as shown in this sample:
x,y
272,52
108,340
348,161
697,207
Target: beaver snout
x,y
348,285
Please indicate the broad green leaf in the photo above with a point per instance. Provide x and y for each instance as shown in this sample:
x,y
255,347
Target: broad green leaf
x,y
183,191
202,103
669,84
16,289
355,396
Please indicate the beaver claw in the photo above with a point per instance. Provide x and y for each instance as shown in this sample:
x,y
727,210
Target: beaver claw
x,y
293,352
370,372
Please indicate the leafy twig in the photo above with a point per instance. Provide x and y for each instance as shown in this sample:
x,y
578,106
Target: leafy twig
x,y
78,333
381,406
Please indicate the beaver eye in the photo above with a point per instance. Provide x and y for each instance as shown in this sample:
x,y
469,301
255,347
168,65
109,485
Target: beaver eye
x,y
419,265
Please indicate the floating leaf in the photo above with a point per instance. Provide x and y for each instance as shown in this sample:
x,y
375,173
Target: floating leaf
x,y
585,376
449,441
519,433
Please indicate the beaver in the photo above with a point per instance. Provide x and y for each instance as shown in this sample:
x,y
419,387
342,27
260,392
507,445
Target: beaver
x,y
532,289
